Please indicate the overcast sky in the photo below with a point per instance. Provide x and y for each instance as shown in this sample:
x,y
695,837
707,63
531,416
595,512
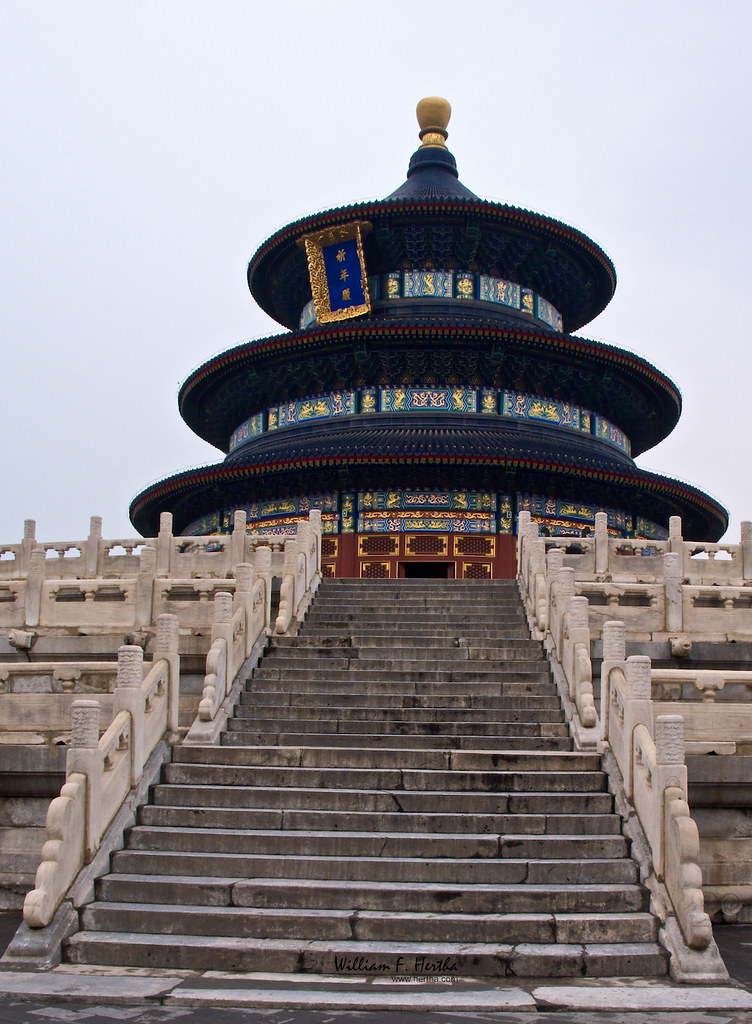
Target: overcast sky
x,y
150,146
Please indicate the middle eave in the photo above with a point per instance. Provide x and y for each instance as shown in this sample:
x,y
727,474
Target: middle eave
x,y
229,388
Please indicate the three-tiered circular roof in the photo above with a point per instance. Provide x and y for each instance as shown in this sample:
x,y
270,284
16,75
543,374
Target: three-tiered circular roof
x,y
433,223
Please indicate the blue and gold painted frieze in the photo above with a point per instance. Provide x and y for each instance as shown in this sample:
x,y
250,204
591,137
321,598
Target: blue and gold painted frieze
x,y
204,527
494,289
428,400
468,512
423,521
608,432
556,508
470,501
251,428
424,284
547,410
488,401
338,403
453,284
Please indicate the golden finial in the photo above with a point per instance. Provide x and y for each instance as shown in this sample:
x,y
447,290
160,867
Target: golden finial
x,y
433,117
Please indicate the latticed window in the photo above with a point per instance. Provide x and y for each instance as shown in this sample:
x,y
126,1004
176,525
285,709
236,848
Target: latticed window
x,y
374,570
378,545
426,545
474,545
476,571
328,547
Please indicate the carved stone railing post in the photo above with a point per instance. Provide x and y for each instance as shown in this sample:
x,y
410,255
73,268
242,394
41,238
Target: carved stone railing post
x,y
164,544
147,571
303,536
167,647
601,543
581,666
746,545
239,534
244,580
314,520
614,653
675,539
84,757
27,544
92,548
34,582
263,566
128,698
637,711
672,577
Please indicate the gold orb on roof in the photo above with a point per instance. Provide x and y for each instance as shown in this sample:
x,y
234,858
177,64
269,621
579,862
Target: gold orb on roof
x,y
433,114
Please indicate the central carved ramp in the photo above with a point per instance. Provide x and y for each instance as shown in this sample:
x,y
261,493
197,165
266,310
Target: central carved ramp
x,y
395,794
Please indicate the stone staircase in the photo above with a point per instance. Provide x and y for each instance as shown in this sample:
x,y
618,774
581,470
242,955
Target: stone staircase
x,y
395,794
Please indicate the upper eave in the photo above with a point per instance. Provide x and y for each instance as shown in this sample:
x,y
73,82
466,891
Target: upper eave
x,y
558,262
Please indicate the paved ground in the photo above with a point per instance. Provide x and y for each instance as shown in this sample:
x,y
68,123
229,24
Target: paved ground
x,y
111,997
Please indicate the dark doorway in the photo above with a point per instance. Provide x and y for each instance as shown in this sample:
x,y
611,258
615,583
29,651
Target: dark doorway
x,y
426,570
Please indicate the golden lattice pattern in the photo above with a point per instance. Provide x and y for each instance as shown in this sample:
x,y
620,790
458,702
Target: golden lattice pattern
x,y
426,545
476,571
378,545
474,546
374,570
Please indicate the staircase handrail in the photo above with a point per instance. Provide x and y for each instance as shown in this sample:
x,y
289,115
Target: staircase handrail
x,y
649,752
101,771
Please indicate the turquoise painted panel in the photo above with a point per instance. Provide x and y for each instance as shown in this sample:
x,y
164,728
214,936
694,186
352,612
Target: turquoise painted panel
x,y
308,316
424,284
464,286
548,313
608,432
291,506
424,524
393,285
494,289
203,527
470,501
251,428
531,407
489,401
428,399
339,403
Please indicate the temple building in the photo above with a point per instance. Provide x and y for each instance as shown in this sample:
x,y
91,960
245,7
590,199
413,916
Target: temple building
x,y
427,388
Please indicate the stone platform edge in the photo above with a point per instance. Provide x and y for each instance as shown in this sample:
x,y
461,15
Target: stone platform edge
x,y
270,991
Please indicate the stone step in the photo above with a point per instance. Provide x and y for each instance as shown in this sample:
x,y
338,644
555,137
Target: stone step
x,y
374,925
457,741
472,668
368,642
327,820
230,774
472,959
349,844
522,695
618,871
512,710
423,632
445,905
421,629
427,765
360,719
166,794
296,676
496,657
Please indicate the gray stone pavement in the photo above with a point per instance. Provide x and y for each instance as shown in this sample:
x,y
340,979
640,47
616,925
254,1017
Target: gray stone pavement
x,y
106,996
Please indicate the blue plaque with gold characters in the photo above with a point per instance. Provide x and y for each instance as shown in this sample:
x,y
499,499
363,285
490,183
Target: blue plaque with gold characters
x,y
337,269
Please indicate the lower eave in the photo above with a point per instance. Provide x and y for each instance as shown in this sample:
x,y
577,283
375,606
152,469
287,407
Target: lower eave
x,y
704,518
